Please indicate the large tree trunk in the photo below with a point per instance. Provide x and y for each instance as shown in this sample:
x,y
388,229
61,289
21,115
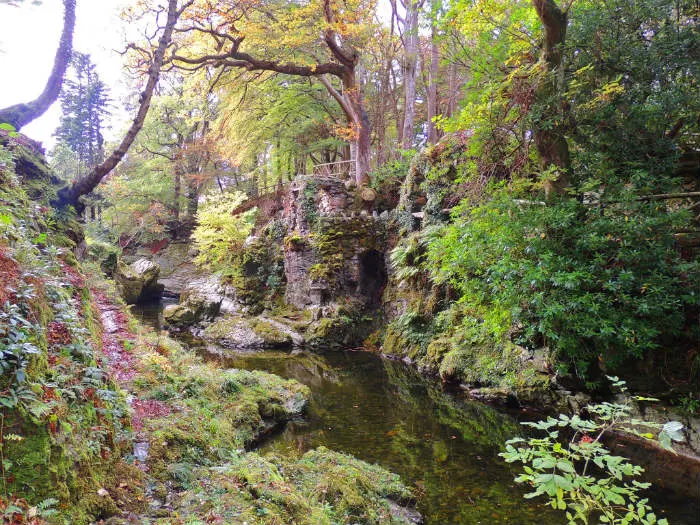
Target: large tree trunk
x,y
192,199
20,115
452,87
177,191
352,105
433,74
83,186
410,68
552,147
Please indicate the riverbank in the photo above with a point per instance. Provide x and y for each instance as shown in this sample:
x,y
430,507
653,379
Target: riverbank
x,y
193,422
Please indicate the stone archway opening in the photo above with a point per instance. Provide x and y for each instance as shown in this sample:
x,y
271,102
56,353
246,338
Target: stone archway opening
x,y
373,276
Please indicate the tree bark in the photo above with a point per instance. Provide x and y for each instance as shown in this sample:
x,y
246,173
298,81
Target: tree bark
x,y
83,186
410,37
351,103
20,115
453,86
552,147
433,74
177,191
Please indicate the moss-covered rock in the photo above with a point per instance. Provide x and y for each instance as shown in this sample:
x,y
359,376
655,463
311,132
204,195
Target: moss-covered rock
x,y
138,282
272,336
320,488
178,316
199,413
106,255
204,296
233,331
248,333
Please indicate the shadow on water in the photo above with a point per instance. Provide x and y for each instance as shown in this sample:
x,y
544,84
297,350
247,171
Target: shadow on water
x,y
384,412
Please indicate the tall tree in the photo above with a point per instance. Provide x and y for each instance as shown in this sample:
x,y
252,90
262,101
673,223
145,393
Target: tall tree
x,y
20,115
433,73
83,186
84,101
409,37
550,139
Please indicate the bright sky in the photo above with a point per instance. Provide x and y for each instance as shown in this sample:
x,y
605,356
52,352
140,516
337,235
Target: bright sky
x,y
28,39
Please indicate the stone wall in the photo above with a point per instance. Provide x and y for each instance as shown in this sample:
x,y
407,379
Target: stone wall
x,y
334,248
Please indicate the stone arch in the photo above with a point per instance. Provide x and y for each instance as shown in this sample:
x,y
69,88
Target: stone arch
x,y
373,276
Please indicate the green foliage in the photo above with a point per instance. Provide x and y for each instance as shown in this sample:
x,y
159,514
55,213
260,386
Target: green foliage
x,y
386,181
272,124
321,487
581,476
688,404
7,166
308,204
590,282
219,237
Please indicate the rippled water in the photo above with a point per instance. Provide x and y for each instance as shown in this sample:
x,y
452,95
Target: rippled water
x,y
384,412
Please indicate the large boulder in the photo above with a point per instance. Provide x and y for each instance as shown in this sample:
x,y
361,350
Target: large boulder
x,y
178,316
138,282
250,333
207,296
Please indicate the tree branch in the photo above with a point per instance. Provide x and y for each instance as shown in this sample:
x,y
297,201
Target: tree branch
x,y
72,194
20,115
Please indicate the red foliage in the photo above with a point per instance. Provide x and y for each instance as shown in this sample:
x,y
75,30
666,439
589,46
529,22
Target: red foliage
x,y
157,246
9,275
147,408
74,277
17,518
58,334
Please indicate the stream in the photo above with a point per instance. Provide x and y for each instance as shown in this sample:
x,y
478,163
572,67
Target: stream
x,y
384,412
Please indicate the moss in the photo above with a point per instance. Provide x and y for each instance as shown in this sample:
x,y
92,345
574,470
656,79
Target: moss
x,y
320,488
337,239
104,254
295,318
259,275
272,336
295,242
212,411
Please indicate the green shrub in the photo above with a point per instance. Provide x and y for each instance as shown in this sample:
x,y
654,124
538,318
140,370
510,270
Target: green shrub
x,y
580,475
594,283
219,236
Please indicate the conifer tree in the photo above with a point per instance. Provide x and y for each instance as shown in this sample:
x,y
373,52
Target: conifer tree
x,y
84,103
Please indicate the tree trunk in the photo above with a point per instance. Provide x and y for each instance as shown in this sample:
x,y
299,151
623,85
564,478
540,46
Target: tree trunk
x,y
20,115
552,147
352,105
452,88
192,199
410,72
433,73
177,190
363,140
70,196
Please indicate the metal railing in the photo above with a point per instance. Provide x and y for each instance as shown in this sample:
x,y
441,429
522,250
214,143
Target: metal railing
x,y
334,169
